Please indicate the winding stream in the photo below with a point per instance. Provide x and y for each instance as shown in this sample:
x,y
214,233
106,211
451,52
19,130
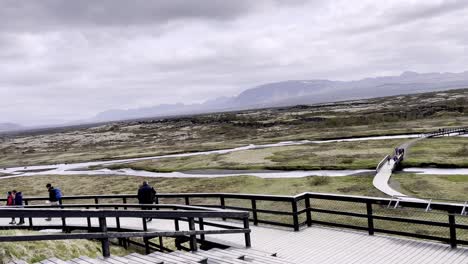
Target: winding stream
x,y
82,168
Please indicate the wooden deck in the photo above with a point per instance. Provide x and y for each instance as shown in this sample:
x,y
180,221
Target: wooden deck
x,y
319,244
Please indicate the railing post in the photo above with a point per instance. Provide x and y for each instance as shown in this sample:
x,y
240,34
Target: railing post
x,y
124,200
370,218
223,204
117,226
96,201
156,201
187,200
161,244
308,212
64,221
295,216
176,223
453,229
254,211
145,239
201,227
88,220
104,241
248,243
30,218
193,238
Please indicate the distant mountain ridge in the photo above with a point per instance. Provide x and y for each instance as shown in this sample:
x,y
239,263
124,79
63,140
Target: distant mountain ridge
x,y
9,127
296,92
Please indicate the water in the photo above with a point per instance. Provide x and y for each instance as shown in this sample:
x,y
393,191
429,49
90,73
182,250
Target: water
x,y
437,171
80,168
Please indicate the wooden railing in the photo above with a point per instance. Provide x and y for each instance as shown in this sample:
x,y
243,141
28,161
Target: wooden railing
x,y
382,162
445,222
191,214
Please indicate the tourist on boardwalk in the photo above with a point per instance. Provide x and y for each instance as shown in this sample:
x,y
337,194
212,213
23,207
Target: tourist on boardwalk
x,y
11,202
55,196
19,203
146,195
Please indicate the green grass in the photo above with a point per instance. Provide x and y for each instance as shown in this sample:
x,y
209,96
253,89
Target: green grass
x,y
32,252
328,156
454,187
379,116
76,185
445,152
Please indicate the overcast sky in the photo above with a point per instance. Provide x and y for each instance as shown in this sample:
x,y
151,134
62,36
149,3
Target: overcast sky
x,y
67,60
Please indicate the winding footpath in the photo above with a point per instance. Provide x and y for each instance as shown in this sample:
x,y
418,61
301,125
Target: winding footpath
x,y
385,170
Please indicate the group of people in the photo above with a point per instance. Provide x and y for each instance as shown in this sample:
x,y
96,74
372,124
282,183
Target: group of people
x,y
398,153
15,198
146,195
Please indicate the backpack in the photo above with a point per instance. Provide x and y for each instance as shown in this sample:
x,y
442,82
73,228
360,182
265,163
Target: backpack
x,y
58,194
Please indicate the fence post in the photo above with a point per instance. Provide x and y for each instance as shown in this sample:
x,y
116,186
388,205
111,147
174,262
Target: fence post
x,y
248,243
453,229
223,204
156,200
104,241
308,212
176,222
370,218
201,227
187,200
124,200
254,211
145,239
96,201
193,237
88,220
30,218
295,216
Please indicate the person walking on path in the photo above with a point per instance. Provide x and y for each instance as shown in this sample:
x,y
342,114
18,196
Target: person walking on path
x,y
146,195
19,203
11,202
388,159
55,196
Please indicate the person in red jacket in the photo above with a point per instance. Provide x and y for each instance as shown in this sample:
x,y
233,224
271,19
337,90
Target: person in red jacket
x,y
11,202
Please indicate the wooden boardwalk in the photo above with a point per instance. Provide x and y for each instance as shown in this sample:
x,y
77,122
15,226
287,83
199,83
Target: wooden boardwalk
x,y
319,244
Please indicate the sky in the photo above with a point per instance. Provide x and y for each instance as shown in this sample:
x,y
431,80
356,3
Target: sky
x,y
67,60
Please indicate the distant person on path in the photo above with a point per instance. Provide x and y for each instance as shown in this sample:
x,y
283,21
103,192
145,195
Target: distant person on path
x,y
11,202
146,195
19,203
388,159
55,196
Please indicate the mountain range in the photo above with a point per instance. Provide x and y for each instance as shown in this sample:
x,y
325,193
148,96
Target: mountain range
x,y
296,92
9,127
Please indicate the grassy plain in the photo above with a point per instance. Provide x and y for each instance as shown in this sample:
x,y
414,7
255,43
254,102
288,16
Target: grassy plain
x,y
381,116
33,252
453,187
329,156
76,185
444,152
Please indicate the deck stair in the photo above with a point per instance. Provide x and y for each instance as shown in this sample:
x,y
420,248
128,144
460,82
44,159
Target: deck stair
x,y
212,256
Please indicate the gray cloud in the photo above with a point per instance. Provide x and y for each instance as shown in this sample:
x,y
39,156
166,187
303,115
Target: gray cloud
x,y
68,60
52,14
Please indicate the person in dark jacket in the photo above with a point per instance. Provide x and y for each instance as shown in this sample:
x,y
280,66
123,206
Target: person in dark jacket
x,y
146,195
11,202
19,203
53,199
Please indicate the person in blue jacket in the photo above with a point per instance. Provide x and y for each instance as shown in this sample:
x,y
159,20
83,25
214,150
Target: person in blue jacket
x,y
19,203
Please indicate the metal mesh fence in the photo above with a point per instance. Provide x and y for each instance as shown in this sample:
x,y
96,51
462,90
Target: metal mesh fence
x,y
415,214
340,206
